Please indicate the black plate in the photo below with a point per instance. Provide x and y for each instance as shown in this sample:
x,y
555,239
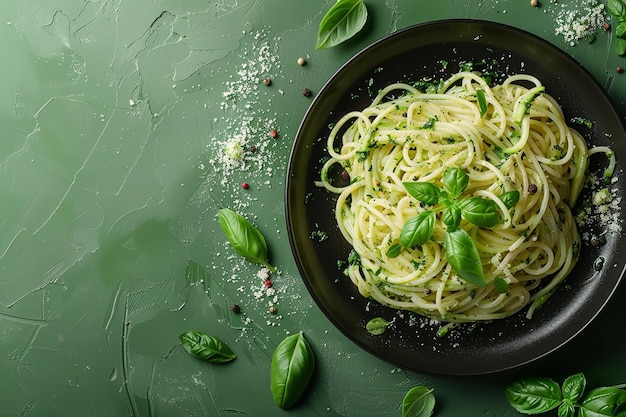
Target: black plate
x,y
436,50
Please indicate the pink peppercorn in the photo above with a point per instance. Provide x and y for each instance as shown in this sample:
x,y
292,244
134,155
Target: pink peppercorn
x,y
268,283
274,133
245,185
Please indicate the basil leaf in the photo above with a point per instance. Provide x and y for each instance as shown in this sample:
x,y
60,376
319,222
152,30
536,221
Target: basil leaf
x,y
501,286
452,217
534,396
574,386
620,30
566,409
394,250
617,9
463,256
418,402
510,198
293,363
245,239
482,102
341,22
424,192
604,401
455,181
417,230
205,347
620,46
377,326
480,211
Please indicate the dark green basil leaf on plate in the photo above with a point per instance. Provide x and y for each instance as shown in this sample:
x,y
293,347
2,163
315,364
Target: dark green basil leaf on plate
x,y
510,198
455,181
417,230
463,256
482,102
394,250
377,325
480,211
424,192
451,217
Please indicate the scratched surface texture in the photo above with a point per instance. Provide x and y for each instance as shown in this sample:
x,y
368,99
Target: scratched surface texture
x,y
115,115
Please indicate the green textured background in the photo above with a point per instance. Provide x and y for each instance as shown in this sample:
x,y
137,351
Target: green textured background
x,y
112,115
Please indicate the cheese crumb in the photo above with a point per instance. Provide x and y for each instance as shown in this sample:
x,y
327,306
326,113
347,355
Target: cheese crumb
x,y
264,273
233,149
602,197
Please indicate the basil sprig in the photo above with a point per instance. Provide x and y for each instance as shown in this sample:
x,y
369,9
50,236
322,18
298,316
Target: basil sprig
x,y
293,363
460,249
419,401
245,239
341,22
539,395
206,347
617,9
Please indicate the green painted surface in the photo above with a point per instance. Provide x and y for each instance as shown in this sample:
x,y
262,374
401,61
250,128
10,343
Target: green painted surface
x,y
114,116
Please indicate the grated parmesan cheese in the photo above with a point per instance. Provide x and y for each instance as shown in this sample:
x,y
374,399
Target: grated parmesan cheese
x,y
602,197
603,207
264,273
241,144
233,149
576,22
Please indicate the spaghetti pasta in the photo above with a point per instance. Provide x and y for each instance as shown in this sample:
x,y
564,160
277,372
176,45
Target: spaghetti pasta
x,y
505,140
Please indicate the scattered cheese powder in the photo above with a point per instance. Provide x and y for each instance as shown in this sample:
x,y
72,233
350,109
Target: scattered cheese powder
x,y
577,21
601,210
242,142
